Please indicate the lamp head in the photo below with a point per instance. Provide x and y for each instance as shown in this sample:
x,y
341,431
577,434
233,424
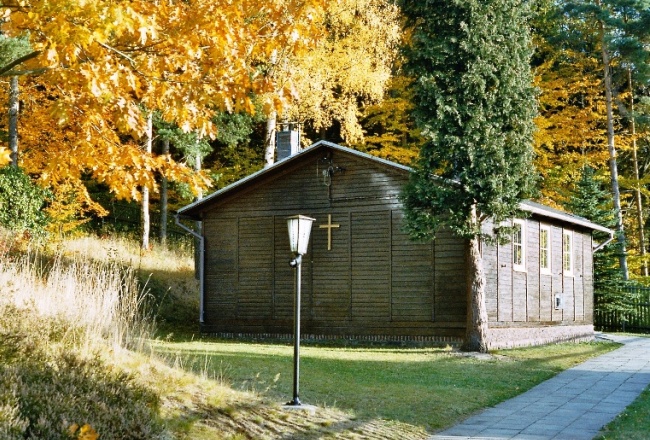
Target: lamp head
x,y
299,227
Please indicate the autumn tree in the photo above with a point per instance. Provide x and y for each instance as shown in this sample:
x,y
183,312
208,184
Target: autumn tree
x,y
389,129
475,103
571,124
350,68
611,20
13,52
188,60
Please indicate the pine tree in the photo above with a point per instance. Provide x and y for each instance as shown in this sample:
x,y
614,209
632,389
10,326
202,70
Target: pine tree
x,y
476,104
591,201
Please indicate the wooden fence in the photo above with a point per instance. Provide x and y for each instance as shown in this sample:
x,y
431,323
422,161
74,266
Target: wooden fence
x,y
636,321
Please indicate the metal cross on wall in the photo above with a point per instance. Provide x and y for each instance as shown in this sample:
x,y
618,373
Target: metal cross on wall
x,y
329,226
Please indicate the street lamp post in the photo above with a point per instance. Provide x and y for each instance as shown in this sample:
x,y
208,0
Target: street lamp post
x,y
299,229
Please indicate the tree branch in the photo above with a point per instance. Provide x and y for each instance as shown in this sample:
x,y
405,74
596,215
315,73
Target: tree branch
x,y
18,61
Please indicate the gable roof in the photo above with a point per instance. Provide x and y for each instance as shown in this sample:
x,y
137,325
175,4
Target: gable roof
x,y
526,205
197,205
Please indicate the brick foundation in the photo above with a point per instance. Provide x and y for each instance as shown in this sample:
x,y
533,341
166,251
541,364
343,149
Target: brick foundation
x,y
511,337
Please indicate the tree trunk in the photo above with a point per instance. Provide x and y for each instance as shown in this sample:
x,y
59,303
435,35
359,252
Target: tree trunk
x,y
13,120
476,333
198,225
146,221
613,167
269,152
164,199
637,186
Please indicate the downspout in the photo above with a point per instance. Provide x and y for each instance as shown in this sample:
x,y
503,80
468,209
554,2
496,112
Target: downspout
x,y
201,240
606,242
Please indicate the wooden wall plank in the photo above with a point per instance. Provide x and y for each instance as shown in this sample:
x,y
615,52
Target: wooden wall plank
x,y
449,278
533,270
256,267
412,275
504,299
577,299
557,276
588,276
220,269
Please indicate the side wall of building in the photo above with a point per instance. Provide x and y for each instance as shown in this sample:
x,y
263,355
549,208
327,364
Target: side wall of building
x,y
537,304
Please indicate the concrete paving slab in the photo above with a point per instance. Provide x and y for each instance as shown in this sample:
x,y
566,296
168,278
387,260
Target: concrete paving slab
x,y
574,405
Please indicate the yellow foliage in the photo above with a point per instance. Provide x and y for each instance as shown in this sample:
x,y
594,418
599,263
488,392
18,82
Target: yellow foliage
x,y
5,156
106,61
348,69
85,432
571,124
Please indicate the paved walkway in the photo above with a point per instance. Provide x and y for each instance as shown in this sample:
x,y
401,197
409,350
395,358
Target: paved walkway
x,y
574,405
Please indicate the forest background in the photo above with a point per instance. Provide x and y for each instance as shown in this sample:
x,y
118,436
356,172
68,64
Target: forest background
x,y
156,103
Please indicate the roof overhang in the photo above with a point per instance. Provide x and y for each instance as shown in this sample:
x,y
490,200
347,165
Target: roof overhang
x,y
192,210
545,211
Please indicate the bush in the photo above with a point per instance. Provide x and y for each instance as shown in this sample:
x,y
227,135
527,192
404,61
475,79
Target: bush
x,y
86,390
22,202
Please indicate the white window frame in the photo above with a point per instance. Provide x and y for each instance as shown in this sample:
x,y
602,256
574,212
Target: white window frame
x,y
568,253
547,229
522,246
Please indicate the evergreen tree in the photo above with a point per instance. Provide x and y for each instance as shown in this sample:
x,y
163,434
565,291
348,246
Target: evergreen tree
x,y
591,201
476,104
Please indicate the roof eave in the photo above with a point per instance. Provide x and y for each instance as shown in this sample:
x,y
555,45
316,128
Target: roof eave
x,y
558,215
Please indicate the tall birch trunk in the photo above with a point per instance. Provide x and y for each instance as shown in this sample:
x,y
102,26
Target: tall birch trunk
x,y
146,220
613,167
198,226
269,152
13,119
164,199
476,333
637,186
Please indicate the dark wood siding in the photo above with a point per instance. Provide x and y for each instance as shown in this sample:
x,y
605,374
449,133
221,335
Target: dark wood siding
x,y
221,267
373,278
331,272
256,268
450,278
412,289
371,270
283,287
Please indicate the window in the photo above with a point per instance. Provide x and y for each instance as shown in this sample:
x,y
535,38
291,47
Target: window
x,y
519,245
567,253
545,249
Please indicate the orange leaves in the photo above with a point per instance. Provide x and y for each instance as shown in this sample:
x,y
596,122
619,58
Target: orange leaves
x,y
177,49
109,60
5,156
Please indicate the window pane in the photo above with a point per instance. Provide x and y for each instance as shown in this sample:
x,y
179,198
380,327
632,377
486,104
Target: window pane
x,y
543,248
517,251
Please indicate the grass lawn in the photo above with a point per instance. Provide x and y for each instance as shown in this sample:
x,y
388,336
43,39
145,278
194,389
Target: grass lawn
x,y
633,423
428,388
